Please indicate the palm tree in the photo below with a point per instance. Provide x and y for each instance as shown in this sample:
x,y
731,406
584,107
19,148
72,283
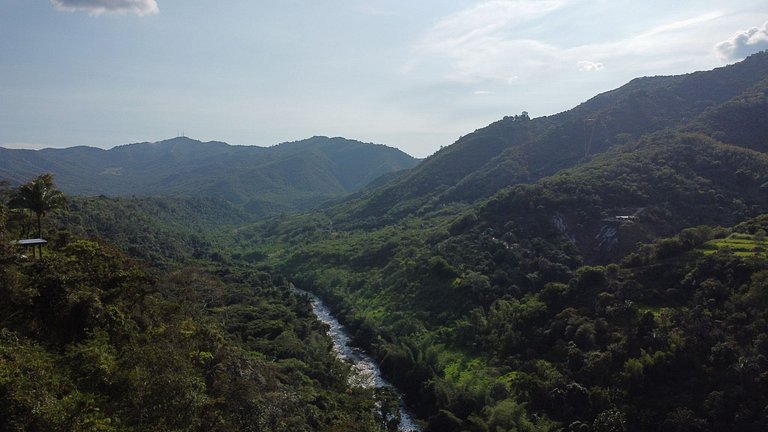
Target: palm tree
x,y
40,196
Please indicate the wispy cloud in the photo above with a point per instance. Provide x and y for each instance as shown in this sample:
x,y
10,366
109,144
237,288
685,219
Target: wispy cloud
x,y
497,40
475,40
668,38
682,24
743,43
485,19
98,7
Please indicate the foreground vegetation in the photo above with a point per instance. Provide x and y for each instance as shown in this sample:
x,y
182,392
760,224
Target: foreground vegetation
x,y
93,340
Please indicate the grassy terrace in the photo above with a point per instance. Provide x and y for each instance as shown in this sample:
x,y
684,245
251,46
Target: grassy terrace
x,y
739,244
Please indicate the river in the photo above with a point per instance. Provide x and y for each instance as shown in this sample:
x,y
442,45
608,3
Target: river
x,y
367,372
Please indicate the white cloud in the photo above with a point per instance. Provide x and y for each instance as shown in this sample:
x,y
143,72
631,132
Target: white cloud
x,y
589,66
496,40
98,7
485,19
683,24
476,41
743,43
482,92
668,47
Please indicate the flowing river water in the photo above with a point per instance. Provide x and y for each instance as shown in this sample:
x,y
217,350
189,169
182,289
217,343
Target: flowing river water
x,y
366,371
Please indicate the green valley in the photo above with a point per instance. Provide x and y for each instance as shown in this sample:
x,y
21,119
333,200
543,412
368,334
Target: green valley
x,y
599,270
527,303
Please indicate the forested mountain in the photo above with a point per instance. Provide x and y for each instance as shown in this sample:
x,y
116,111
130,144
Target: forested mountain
x,y
518,149
473,279
289,176
636,193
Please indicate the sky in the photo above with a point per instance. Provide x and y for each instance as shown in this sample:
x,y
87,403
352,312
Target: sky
x,y
415,75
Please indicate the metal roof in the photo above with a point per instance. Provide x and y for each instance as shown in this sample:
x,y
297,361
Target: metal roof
x,y
28,242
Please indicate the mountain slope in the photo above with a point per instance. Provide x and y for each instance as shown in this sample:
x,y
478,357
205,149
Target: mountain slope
x,y
288,176
517,149
472,291
471,306
161,230
637,193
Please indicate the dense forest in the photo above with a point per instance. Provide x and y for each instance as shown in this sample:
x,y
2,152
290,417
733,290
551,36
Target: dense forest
x,y
94,340
591,291
604,269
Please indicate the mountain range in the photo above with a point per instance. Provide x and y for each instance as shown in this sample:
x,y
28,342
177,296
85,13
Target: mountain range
x,y
262,180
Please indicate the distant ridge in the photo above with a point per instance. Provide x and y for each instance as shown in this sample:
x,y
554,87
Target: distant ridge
x,y
264,180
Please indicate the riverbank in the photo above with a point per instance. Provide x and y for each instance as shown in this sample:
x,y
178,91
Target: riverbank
x,y
367,372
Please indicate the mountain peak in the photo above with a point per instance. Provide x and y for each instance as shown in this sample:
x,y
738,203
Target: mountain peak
x,y
179,140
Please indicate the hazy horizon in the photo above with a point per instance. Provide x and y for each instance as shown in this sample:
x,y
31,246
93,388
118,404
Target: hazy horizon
x,y
415,76
23,146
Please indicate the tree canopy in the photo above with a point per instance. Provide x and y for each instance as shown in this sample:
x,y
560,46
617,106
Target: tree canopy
x,y
39,196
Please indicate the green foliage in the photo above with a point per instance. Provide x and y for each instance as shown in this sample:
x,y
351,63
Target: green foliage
x,y
39,196
740,244
162,231
508,416
501,280
90,341
611,420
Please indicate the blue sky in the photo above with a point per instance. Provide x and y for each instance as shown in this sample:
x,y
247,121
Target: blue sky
x,y
410,74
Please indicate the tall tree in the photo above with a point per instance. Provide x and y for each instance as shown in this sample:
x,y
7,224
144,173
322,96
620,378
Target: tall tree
x,y
40,196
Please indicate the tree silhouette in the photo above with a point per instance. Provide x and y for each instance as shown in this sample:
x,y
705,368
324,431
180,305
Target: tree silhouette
x,y
39,196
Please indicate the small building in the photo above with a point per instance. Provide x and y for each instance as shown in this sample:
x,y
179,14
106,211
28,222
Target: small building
x,y
26,243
